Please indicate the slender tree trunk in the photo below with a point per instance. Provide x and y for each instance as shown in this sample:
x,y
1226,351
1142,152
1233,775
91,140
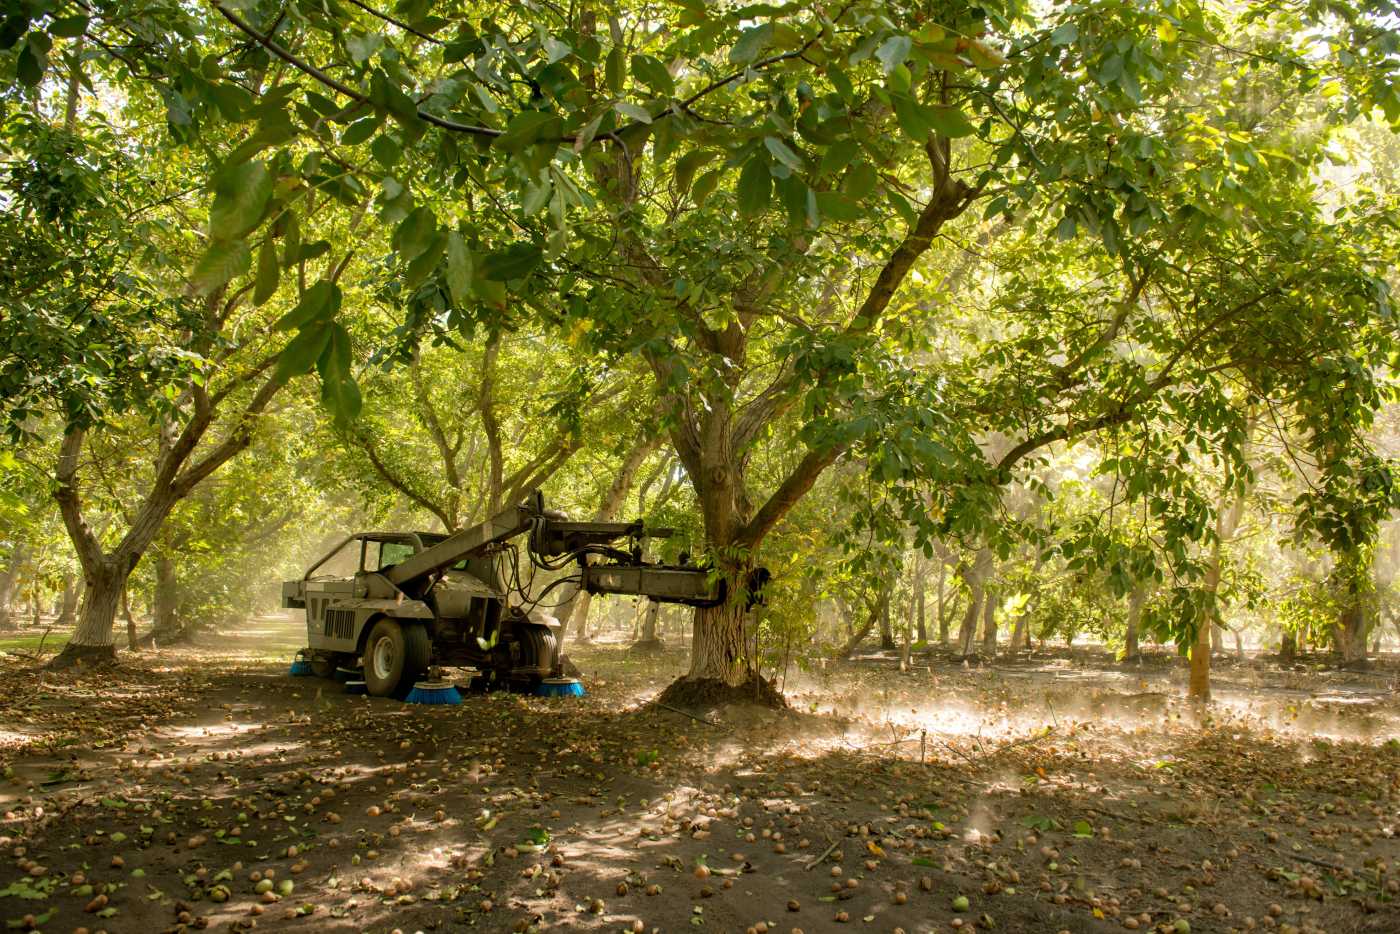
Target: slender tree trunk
x,y
130,620
989,626
976,579
1217,639
887,643
1018,632
1200,664
858,635
1288,648
165,601
942,603
921,612
8,578
1136,599
68,603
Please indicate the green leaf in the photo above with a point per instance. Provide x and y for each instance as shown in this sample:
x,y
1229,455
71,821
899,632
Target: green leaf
x,y
783,153
415,232
425,262
29,66
615,70
320,302
241,193
633,111
525,129
269,271
1064,34
651,72
386,150
705,184
513,262
459,269
837,206
224,260
893,52
688,164
361,130
949,121
68,27
1082,828
751,43
302,351
755,186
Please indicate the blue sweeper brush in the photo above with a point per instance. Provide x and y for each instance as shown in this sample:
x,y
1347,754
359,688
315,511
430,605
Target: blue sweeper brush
x,y
560,687
356,687
433,692
301,667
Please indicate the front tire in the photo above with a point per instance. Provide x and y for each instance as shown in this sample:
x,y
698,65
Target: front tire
x,y
396,656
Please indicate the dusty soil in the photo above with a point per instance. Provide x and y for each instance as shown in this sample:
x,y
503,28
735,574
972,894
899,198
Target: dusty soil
x,y
1054,794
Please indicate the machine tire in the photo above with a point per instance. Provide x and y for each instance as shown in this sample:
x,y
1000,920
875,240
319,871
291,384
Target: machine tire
x,y
395,656
538,648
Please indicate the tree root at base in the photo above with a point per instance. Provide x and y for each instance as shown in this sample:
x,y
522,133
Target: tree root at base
x,y
709,693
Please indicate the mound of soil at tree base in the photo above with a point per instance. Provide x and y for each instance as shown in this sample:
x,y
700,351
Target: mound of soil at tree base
x,y
711,693
83,656
647,646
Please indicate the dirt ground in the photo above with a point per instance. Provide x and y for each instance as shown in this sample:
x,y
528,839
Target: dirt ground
x,y
1047,794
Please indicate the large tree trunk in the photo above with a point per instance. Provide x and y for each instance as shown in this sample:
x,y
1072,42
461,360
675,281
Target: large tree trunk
x,y
1351,633
1136,599
717,647
92,639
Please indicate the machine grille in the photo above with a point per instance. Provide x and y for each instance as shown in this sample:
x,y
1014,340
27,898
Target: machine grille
x,y
340,624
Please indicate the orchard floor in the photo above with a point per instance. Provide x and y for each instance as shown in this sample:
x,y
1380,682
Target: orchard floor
x,y
1055,793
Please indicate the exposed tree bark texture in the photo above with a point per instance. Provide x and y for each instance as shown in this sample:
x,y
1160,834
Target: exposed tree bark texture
x,y
1288,648
165,601
989,625
68,602
9,578
921,609
1136,599
942,603
130,621
975,576
887,643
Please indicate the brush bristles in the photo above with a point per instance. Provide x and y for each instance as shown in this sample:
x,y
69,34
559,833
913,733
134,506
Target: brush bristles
x,y
560,687
300,669
437,694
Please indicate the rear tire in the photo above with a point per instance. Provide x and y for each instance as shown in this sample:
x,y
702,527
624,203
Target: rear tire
x,y
396,655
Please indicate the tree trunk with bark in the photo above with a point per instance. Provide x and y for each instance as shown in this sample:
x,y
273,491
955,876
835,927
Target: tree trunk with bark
x,y
921,613
989,626
68,602
975,576
1288,648
872,616
942,603
130,621
9,578
887,643
1136,599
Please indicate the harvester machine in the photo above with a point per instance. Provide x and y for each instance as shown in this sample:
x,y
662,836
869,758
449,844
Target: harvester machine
x,y
398,603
